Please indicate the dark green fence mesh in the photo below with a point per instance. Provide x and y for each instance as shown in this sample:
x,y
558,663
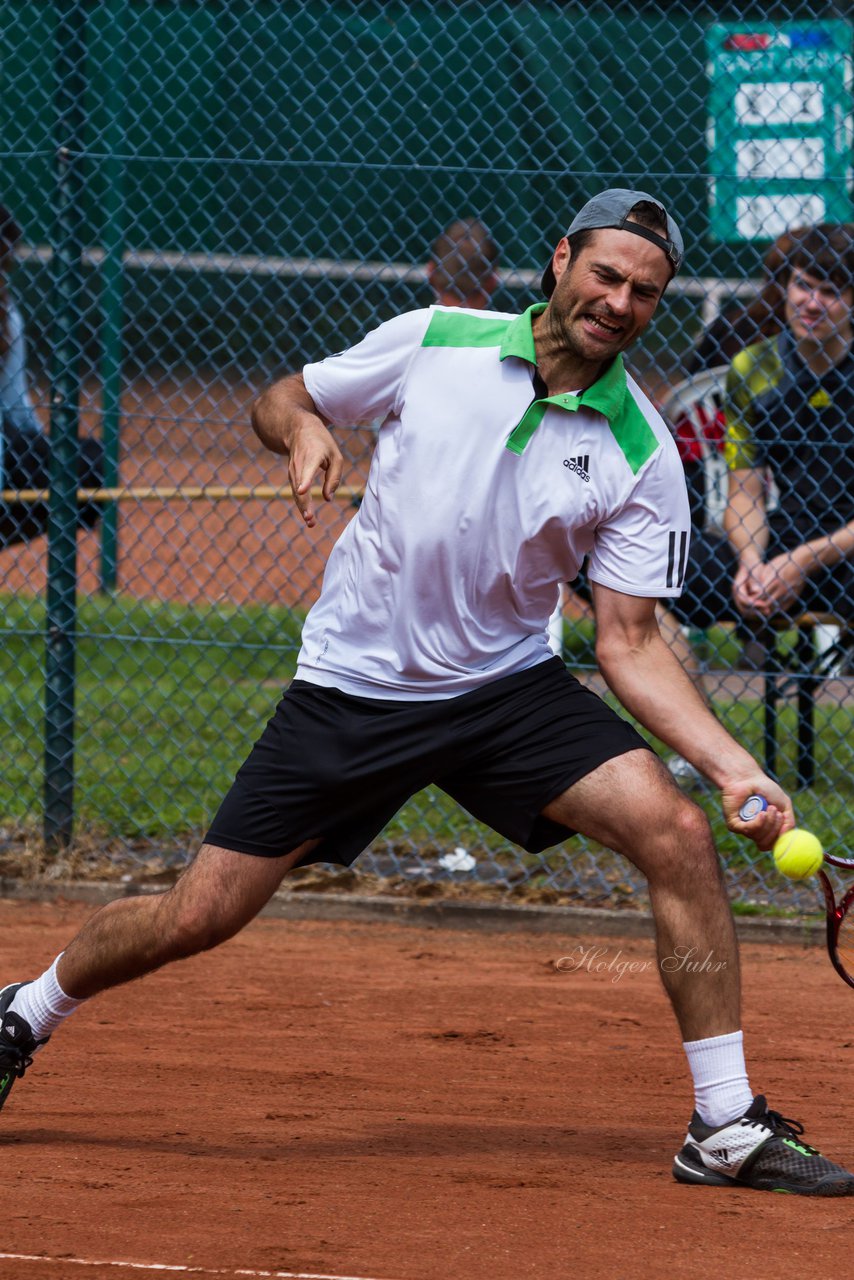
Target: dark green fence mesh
x,y
212,194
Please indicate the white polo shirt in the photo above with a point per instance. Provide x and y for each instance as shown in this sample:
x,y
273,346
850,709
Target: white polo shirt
x,y
480,501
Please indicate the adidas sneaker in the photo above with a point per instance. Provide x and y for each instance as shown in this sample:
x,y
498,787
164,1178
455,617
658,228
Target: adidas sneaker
x,y
17,1042
761,1149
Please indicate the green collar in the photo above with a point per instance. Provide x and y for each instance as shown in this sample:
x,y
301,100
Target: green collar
x,y
607,395
519,338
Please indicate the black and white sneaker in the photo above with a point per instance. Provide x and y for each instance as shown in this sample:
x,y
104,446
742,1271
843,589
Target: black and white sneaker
x,y
761,1149
17,1042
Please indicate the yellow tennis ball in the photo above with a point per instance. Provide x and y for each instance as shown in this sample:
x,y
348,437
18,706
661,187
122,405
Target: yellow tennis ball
x,y
798,854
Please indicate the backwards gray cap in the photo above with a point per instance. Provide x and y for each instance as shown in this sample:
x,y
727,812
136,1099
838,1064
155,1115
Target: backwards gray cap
x,y
611,209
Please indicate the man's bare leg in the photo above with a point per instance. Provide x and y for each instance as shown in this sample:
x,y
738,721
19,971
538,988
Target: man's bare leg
x,y
219,893
631,805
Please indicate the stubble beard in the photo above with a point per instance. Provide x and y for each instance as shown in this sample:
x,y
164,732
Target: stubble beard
x,y
565,341
568,346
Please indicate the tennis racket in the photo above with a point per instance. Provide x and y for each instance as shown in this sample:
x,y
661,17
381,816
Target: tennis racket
x,y
840,915
840,921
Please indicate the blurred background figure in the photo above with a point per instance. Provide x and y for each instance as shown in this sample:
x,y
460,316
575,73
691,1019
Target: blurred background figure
x,y
745,323
695,408
463,265
24,448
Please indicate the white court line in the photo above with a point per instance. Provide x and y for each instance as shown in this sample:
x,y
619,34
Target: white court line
x,y
181,1270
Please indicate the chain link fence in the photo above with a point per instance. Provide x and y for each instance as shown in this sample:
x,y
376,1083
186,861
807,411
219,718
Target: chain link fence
x,y
209,195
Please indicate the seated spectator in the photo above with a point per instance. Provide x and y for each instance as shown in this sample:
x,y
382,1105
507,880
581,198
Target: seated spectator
x,y
746,323
24,448
789,415
736,328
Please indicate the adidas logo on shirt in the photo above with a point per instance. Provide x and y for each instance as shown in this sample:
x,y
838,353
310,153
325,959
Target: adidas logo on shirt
x,y
579,465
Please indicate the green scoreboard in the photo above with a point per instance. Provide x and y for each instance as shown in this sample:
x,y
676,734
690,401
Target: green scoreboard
x,y
779,127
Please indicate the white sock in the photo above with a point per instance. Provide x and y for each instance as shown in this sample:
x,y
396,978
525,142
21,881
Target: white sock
x,y
721,1090
43,1003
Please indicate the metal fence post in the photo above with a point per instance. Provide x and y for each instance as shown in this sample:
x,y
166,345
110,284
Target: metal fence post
x,y
112,281
61,615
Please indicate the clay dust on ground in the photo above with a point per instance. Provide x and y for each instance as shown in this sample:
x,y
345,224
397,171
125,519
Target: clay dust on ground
x,y
405,1103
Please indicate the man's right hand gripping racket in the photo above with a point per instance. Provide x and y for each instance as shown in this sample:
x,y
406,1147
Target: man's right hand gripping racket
x,y
840,915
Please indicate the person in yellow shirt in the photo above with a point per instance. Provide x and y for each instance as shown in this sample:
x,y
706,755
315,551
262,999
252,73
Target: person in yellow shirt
x,y
789,417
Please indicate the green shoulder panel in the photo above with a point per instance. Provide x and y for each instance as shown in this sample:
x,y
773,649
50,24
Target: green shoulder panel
x,y
461,329
633,434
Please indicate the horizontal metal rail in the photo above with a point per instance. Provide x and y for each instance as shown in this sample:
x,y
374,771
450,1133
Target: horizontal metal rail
x,y
711,291
185,493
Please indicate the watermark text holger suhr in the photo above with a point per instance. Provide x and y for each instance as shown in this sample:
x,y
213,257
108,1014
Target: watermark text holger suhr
x,y
599,959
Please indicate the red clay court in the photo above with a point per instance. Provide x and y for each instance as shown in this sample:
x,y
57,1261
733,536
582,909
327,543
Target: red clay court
x,y
190,432
399,1102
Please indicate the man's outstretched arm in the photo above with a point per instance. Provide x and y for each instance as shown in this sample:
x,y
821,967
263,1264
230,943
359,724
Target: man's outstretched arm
x,y
652,685
285,420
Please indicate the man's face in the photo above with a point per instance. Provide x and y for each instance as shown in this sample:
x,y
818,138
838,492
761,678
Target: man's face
x,y
818,309
606,296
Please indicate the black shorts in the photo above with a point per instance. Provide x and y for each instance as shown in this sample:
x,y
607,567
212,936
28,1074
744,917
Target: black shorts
x,y
337,768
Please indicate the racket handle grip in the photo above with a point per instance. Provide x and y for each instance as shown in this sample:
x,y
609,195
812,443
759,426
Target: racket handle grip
x,y
752,807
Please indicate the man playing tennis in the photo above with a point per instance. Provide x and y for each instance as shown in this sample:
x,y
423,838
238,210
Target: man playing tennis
x,y
511,448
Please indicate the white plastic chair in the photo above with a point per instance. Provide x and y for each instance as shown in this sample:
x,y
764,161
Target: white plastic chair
x,y
694,407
